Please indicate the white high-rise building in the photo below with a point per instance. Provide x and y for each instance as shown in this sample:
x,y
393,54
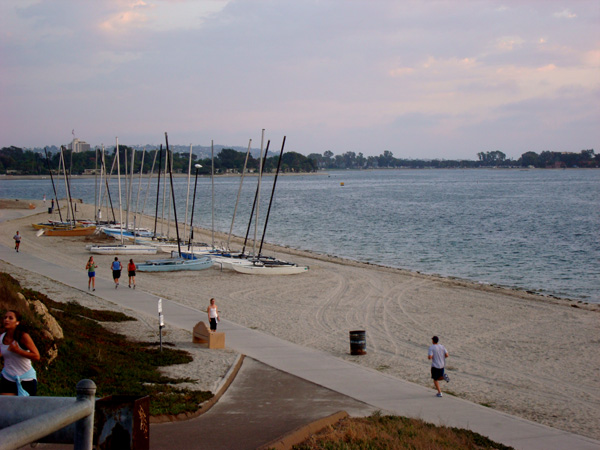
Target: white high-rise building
x,y
79,146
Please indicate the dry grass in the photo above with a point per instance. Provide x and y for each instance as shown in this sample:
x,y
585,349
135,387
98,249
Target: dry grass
x,y
393,432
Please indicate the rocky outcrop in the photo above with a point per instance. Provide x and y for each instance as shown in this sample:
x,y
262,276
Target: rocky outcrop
x,y
51,330
52,327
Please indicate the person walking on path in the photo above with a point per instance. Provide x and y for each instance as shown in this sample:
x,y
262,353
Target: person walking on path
x,y
91,268
17,238
116,270
213,315
44,199
438,354
52,204
131,268
18,350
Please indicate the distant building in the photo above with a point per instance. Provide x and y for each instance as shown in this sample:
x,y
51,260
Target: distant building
x,y
79,146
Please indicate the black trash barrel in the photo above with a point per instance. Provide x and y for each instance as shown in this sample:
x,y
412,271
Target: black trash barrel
x,y
358,342
49,210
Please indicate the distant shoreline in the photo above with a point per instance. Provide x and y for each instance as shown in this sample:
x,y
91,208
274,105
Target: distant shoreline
x,y
295,174
146,175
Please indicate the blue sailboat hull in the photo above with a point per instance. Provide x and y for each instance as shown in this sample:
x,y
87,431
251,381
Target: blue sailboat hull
x,y
172,265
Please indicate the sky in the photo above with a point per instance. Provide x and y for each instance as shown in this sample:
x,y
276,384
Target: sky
x,y
421,79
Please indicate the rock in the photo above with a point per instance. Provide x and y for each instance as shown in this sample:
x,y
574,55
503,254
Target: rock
x,y
50,322
22,302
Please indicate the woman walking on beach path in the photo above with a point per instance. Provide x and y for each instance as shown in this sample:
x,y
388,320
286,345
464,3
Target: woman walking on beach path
x,y
17,238
213,315
131,268
437,354
116,270
91,268
18,350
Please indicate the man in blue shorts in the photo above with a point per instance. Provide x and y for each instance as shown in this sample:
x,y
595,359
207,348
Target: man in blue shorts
x,y
438,354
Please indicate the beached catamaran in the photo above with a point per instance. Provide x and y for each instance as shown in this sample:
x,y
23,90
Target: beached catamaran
x,y
132,234
71,227
179,262
260,264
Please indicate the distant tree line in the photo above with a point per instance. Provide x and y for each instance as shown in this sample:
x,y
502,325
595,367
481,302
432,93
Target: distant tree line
x,y
547,159
14,160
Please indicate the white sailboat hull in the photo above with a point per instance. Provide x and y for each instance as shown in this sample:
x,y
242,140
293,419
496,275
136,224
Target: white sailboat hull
x,y
122,249
269,269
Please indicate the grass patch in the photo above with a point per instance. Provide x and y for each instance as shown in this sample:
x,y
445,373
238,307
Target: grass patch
x,y
75,309
394,433
117,365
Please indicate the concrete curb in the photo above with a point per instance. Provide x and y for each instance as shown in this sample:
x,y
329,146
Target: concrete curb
x,y
222,387
299,435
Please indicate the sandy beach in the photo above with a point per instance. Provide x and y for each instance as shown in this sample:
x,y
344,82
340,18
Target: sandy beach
x,y
525,354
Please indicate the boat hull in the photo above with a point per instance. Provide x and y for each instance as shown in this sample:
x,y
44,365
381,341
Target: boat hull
x,y
79,231
269,270
122,250
172,265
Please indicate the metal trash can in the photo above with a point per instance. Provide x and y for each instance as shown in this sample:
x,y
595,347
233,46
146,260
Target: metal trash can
x,y
49,210
358,342
122,422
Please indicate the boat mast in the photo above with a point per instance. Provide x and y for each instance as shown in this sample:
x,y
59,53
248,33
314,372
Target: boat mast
x,y
271,200
162,218
119,182
108,196
258,193
173,194
238,196
190,241
96,185
254,204
137,202
212,180
130,189
99,207
68,175
148,188
157,190
171,156
187,197
69,199
53,186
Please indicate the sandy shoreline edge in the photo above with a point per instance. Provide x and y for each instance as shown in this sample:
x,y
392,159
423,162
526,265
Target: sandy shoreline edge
x,y
524,353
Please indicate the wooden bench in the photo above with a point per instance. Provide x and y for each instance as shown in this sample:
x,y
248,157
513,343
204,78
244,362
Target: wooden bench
x,y
202,335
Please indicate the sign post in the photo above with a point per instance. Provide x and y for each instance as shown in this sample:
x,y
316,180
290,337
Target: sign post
x,y
161,322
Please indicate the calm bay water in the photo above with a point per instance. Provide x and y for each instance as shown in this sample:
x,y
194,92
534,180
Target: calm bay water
x,y
535,229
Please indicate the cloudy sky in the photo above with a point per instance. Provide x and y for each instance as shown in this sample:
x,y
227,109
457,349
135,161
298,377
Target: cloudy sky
x,y
422,79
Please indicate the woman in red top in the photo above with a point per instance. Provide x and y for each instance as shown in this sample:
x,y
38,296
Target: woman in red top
x,y
131,271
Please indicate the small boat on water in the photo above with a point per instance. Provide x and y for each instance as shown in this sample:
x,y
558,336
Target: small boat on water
x,y
175,264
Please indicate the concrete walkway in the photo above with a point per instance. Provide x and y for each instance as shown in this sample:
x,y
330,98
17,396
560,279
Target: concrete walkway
x,y
380,391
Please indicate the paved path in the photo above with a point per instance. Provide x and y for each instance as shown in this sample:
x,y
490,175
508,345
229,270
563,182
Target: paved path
x,y
380,391
260,406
